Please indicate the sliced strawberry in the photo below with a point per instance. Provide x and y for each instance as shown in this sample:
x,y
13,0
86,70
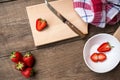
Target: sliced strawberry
x,y
40,24
20,66
94,57
102,57
28,72
16,56
104,47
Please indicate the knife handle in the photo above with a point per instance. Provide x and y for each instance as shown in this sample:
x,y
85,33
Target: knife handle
x,y
75,29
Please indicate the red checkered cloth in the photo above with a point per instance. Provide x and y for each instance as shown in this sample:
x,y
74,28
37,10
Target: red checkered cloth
x,y
98,12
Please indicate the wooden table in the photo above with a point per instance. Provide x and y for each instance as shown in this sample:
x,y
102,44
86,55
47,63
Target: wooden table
x,y
59,61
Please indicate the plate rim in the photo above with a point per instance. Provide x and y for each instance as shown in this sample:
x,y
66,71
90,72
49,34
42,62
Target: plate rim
x,y
85,58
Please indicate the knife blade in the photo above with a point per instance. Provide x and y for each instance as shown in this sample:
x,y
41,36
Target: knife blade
x,y
64,20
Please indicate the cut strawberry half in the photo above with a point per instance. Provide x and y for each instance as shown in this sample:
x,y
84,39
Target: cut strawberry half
x,y
102,57
94,57
40,24
98,57
104,47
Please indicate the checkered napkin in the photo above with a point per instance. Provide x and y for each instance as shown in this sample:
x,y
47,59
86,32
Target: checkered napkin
x,y
98,12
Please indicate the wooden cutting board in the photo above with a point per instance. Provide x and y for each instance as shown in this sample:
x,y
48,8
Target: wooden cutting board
x,y
117,33
57,30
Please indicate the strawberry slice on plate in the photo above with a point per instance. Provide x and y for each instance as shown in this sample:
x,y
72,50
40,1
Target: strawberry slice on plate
x,y
94,57
98,57
104,47
102,57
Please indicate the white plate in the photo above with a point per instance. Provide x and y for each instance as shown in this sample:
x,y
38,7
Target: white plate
x,y
113,56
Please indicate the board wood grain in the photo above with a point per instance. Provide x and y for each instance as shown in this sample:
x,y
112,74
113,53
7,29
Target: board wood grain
x,y
117,33
56,30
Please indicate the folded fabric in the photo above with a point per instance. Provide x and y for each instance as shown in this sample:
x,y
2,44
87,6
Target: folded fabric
x,y
98,12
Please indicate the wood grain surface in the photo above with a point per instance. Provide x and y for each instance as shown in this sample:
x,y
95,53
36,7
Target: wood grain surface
x,y
59,61
117,33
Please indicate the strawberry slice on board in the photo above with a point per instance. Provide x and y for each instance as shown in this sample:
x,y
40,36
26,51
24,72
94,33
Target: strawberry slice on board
x,y
40,24
104,47
94,57
16,56
102,57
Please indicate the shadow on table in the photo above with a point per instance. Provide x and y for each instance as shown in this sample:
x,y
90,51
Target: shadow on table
x,y
3,1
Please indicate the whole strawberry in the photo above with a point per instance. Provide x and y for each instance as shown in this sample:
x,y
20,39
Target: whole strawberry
x,y
28,59
20,66
28,72
16,56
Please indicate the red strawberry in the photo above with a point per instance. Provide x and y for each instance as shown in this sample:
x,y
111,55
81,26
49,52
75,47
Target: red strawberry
x,y
101,57
16,57
40,24
20,66
104,47
94,57
28,59
28,72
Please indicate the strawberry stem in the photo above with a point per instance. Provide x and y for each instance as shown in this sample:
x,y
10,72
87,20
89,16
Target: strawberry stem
x,y
32,72
19,66
110,45
27,54
12,55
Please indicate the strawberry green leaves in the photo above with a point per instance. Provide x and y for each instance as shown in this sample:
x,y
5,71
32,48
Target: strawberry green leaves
x,y
23,63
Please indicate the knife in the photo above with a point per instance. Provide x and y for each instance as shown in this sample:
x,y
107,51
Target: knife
x,y
64,20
